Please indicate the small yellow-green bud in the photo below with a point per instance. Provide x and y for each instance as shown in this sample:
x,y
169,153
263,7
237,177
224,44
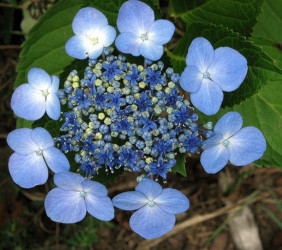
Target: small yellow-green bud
x,y
83,153
67,83
79,120
88,131
155,99
110,89
169,110
156,132
90,125
109,111
149,160
134,107
98,136
106,84
142,85
130,119
98,66
167,90
171,85
98,72
158,87
98,82
75,85
126,91
108,121
154,66
158,110
125,81
117,78
75,78
101,116
140,68
137,96
114,134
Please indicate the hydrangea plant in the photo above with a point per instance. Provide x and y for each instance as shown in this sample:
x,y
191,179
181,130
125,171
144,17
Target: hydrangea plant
x,y
122,115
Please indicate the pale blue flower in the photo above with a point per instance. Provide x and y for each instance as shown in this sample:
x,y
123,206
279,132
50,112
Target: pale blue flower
x,y
32,99
209,72
140,33
156,208
34,147
74,196
92,34
241,146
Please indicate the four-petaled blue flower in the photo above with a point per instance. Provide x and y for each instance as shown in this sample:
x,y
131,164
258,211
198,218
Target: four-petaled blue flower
x,y
209,72
92,34
30,101
74,196
134,77
156,208
241,146
32,149
153,78
140,34
111,70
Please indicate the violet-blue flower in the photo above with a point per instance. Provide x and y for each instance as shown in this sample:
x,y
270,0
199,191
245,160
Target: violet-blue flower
x,y
209,72
32,99
156,208
92,34
140,33
241,146
34,147
74,196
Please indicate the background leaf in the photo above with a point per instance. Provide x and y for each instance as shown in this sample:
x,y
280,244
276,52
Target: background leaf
x,y
180,166
237,15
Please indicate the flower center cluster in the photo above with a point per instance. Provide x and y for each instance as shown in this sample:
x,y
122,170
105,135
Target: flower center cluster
x,y
151,203
206,75
82,194
126,115
226,142
94,40
45,93
144,37
39,152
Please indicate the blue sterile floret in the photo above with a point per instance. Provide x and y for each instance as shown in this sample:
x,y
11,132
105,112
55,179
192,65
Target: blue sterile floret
x,y
127,115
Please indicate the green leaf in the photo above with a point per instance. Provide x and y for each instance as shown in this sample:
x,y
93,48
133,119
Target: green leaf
x,y
180,166
261,66
270,21
238,15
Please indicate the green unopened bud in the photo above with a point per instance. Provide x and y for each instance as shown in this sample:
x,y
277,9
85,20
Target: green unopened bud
x,y
169,110
98,72
137,96
101,116
116,147
170,156
114,134
158,110
110,89
90,125
126,91
171,85
108,121
154,66
98,82
134,107
156,132
142,85
75,78
117,78
98,136
89,131
140,68
125,81
167,90
106,84
158,87
149,160
109,111
130,119
75,85
98,66
155,99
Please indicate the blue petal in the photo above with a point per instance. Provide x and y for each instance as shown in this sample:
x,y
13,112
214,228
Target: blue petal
x,y
100,207
42,138
128,43
20,141
172,201
135,16
65,206
214,159
151,222
107,35
28,103
213,141
131,200
56,160
95,188
87,20
53,106
55,85
200,54
228,69
191,79
95,51
150,188
28,170
78,46
69,181
151,51
229,124
246,146
208,98
161,31
39,79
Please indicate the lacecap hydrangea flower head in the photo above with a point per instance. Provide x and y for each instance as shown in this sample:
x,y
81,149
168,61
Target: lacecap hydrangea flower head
x,y
121,115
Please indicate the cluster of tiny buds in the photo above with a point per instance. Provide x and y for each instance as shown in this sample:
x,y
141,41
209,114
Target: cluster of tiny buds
x,y
123,114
